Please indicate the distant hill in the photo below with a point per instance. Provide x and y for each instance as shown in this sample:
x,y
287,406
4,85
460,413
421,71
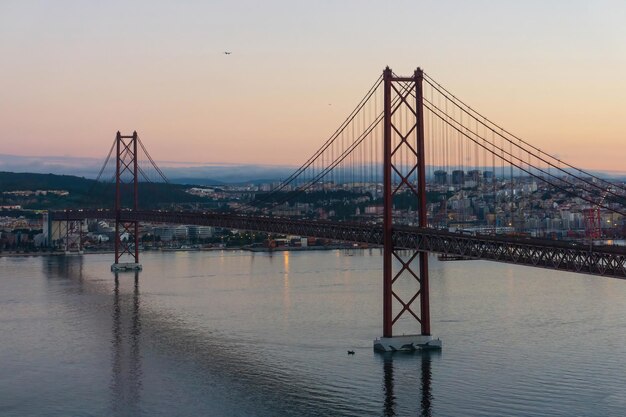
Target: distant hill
x,y
85,192
198,174
196,181
201,174
12,181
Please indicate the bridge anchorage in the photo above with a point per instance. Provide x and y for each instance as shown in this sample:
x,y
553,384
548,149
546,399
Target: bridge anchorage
x,y
403,160
126,179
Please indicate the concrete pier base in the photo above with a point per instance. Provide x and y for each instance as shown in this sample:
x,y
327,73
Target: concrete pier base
x,y
406,343
126,267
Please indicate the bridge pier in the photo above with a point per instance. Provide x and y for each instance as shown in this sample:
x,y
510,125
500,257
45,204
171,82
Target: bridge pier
x,y
126,266
406,343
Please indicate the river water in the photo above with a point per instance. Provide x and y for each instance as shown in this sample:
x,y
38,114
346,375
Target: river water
x,y
236,333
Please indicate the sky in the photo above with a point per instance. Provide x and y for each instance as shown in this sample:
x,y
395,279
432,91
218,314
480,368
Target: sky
x,y
72,73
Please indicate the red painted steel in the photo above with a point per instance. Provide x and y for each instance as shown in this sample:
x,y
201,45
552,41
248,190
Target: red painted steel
x,y
135,194
608,261
387,210
118,204
403,141
422,213
126,163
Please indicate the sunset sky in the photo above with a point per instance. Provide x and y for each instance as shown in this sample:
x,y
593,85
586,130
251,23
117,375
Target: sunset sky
x,y
72,73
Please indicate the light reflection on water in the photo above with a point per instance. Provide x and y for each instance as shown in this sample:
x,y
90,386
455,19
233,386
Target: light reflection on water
x,y
126,357
239,334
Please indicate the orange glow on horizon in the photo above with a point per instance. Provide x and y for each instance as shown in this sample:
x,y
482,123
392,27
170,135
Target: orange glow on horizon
x,y
72,79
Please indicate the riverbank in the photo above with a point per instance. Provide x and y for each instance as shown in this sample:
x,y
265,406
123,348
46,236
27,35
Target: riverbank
x,y
234,248
301,249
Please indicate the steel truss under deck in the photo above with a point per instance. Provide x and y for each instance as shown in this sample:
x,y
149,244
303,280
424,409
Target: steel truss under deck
x,y
558,255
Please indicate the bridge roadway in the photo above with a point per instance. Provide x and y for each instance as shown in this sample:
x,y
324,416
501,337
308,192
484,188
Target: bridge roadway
x,y
607,261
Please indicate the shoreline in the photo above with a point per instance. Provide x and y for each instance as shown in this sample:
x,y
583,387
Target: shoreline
x,y
245,248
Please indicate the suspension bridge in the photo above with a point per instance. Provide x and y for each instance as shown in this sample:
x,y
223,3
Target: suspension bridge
x,y
400,152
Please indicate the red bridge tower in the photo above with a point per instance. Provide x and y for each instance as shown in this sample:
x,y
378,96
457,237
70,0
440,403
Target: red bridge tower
x,y
405,273
126,184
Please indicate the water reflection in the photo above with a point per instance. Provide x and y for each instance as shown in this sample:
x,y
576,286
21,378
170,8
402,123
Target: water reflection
x,y
87,354
126,381
390,398
425,377
427,395
286,287
66,267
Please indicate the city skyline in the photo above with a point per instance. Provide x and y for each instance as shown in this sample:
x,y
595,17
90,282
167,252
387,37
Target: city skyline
x,y
74,75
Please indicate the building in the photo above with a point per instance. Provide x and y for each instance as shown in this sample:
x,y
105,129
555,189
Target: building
x,y
441,177
458,177
200,232
474,175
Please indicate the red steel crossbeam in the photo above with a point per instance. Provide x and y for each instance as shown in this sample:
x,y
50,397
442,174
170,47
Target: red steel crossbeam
x,y
411,139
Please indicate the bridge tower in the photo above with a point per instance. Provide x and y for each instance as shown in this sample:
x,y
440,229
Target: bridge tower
x,y
126,179
404,170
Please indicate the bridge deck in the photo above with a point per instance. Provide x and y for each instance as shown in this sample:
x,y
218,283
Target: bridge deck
x,y
559,255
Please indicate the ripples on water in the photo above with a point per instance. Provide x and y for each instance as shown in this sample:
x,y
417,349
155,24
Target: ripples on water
x,y
241,334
